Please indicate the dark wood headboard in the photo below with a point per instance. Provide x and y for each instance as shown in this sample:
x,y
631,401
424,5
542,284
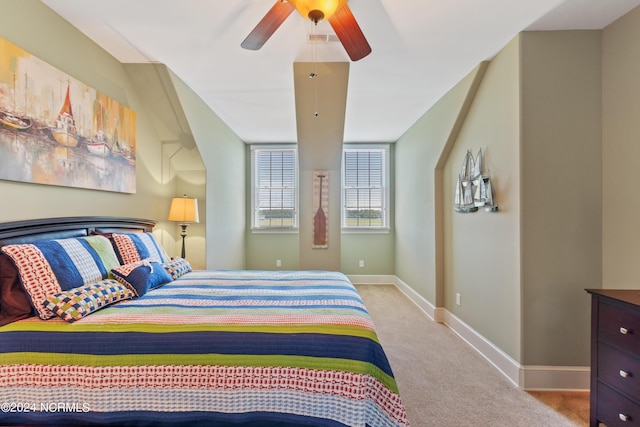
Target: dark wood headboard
x,y
32,230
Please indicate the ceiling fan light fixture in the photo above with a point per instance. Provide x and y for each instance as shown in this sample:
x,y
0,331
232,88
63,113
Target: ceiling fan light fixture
x,y
317,10
337,12
316,16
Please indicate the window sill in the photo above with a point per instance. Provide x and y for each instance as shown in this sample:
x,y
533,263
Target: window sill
x,y
293,230
366,230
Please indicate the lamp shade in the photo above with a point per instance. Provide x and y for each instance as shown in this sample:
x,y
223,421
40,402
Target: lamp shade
x,y
184,210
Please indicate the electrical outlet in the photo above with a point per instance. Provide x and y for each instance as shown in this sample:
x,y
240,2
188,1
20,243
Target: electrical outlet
x,y
278,263
458,299
361,264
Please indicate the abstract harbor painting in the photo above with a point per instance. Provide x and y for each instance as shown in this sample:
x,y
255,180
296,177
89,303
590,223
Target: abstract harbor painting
x,y
56,130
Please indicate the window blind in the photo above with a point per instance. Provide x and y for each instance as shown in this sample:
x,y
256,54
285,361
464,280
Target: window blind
x,y
364,187
275,188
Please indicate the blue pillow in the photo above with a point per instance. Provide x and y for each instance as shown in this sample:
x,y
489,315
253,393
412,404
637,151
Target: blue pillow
x,y
79,261
142,276
138,246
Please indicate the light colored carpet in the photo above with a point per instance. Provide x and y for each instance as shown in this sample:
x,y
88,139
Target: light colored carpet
x,y
442,381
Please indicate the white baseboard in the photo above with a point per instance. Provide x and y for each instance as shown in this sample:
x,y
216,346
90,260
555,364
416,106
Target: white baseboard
x,y
372,279
435,313
526,377
566,378
498,358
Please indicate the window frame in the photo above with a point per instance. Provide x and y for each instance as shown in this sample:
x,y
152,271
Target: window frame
x,y
255,227
386,179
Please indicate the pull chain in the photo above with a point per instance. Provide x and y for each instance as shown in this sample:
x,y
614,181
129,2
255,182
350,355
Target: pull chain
x,y
314,73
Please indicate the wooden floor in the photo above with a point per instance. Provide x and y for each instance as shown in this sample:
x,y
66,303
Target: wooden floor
x,y
572,404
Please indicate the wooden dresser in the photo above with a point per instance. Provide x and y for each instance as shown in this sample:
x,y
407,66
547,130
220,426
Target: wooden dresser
x,y
615,357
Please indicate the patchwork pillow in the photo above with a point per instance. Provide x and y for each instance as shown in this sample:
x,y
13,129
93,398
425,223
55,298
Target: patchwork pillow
x,y
47,267
135,247
142,276
177,267
77,303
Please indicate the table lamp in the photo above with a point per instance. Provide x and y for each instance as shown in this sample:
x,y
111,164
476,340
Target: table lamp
x,y
184,210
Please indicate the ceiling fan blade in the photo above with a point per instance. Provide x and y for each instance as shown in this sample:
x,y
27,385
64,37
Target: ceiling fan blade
x,y
268,25
348,31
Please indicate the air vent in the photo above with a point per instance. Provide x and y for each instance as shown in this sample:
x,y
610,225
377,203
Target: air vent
x,y
322,38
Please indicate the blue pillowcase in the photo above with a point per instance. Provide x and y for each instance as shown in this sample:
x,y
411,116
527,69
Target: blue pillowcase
x,y
142,276
79,261
134,247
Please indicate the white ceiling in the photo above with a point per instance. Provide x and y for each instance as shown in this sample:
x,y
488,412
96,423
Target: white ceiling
x,y
421,48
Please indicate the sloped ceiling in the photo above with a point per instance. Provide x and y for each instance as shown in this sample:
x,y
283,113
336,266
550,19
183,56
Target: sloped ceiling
x,y
421,48
159,96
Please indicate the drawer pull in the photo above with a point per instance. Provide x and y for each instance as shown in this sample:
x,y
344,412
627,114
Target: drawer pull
x,y
624,374
624,417
624,331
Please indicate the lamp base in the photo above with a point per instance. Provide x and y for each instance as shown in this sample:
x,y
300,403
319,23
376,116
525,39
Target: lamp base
x,y
183,233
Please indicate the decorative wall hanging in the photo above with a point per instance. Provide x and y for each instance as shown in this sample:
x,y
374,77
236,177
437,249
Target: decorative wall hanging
x,y
473,186
56,130
320,209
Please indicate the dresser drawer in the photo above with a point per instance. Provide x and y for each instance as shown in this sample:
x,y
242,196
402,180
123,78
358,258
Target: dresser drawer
x,y
613,408
619,370
619,327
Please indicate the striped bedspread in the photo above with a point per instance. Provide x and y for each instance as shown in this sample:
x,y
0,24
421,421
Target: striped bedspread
x,y
254,348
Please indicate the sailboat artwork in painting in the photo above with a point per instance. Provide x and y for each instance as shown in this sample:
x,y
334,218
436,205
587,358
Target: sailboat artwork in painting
x,y
473,186
13,120
64,131
98,145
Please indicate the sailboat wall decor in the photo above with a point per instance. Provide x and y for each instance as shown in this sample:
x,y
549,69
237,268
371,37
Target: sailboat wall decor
x,y
474,188
56,130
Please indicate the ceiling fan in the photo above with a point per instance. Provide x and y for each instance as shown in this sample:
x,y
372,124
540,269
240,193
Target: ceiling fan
x,y
337,12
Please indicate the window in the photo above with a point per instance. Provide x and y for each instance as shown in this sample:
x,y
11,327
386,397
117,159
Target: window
x,y
275,190
365,183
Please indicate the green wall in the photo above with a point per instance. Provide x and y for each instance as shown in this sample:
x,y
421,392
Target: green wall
x,y
561,193
536,113
481,255
223,155
621,149
418,154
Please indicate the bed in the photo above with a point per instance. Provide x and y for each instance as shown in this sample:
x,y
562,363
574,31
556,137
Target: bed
x,y
141,339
